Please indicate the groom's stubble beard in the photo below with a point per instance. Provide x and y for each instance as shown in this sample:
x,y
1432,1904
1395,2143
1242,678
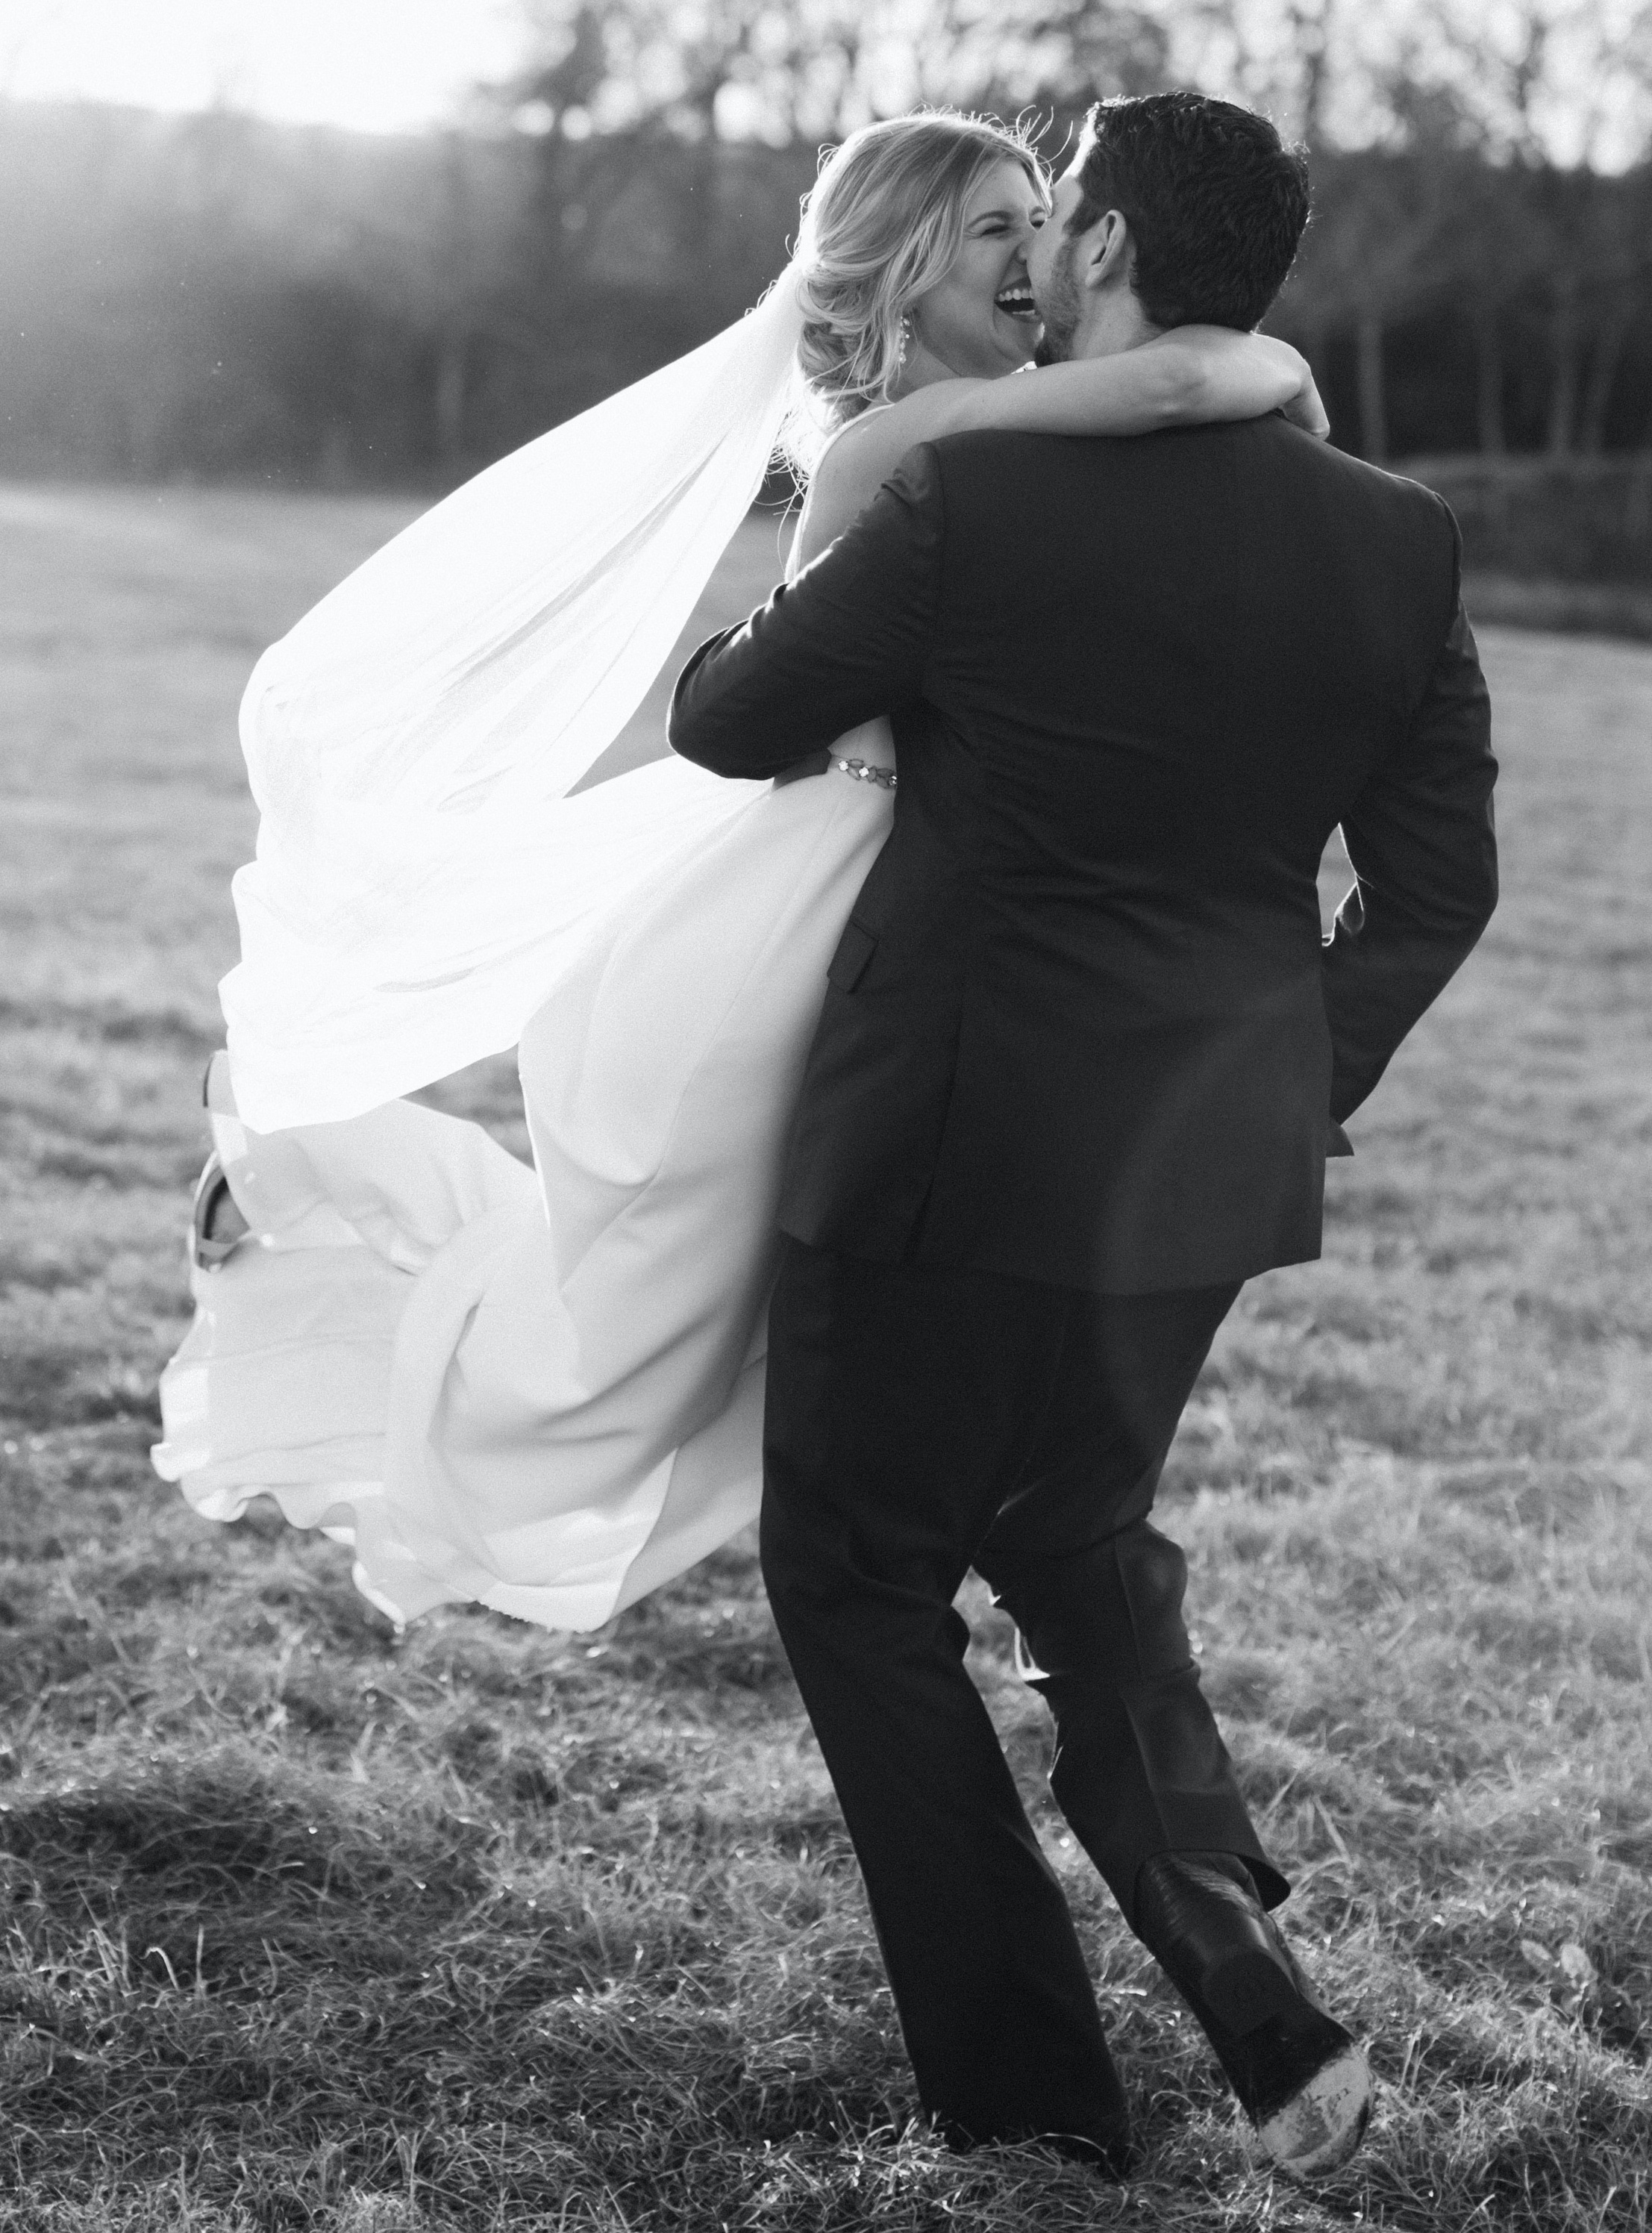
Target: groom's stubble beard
x,y
1062,309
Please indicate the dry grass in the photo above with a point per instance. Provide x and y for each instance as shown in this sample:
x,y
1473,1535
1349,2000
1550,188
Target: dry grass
x,y
306,1926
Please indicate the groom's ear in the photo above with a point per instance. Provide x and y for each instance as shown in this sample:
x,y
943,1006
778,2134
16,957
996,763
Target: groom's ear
x,y
1107,251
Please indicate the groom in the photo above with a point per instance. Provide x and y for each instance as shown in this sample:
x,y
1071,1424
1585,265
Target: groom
x,y
1081,1058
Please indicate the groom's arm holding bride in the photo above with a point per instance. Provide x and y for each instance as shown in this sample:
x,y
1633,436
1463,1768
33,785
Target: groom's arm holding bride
x,y
876,505
846,641
851,637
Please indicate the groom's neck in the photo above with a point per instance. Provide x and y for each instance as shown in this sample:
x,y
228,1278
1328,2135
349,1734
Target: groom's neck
x,y
1116,323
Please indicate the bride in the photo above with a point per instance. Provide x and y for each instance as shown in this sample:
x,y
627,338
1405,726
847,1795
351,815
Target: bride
x,y
543,1389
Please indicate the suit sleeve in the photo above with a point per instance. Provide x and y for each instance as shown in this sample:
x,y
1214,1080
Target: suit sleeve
x,y
847,639
1421,841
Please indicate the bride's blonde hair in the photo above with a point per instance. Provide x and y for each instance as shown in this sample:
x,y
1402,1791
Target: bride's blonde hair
x,y
883,225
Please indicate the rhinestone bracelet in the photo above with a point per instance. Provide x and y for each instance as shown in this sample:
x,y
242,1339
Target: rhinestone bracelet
x,y
868,772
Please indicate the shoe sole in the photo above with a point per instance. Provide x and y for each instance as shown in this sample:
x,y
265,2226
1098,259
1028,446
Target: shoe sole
x,y
206,1252
1318,2128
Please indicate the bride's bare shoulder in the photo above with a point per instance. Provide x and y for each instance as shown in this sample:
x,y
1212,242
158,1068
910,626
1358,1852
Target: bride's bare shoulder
x,y
862,456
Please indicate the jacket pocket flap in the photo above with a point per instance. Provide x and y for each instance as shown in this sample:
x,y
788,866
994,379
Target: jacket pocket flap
x,y
854,949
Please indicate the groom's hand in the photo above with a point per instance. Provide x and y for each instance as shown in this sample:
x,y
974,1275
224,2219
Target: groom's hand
x,y
811,763
1422,840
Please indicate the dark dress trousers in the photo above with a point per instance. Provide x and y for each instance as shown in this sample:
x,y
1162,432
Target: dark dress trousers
x,y
1081,1058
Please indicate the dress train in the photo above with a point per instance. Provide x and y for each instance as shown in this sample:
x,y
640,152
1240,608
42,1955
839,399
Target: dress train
x,y
543,1389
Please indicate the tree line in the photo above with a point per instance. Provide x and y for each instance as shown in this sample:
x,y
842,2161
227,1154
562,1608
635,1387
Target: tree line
x,y
218,294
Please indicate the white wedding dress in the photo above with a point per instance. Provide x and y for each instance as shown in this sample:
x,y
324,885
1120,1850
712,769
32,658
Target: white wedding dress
x,y
543,1389
540,1389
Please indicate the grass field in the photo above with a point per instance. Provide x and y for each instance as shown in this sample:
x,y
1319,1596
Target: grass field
x,y
306,1924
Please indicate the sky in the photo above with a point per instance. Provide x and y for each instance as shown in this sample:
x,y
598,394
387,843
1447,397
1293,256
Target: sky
x,y
379,65
396,65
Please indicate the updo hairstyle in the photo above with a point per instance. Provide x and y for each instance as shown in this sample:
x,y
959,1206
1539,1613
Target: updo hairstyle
x,y
883,225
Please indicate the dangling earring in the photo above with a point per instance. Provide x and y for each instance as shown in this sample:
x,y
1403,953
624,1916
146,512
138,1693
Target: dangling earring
x,y
906,337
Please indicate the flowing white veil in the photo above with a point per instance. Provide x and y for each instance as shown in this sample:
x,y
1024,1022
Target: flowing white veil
x,y
421,869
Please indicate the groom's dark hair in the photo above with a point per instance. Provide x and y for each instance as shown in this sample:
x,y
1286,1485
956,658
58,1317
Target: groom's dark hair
x,y
1215,200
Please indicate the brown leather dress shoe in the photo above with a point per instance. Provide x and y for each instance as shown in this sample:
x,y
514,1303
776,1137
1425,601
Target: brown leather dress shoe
x,y
1297,2074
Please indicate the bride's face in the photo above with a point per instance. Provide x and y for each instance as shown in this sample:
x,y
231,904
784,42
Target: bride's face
x,y
978,321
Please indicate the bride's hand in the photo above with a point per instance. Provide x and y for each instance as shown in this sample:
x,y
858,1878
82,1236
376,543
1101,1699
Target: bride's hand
x,y
1306,410
1191,376
1235,375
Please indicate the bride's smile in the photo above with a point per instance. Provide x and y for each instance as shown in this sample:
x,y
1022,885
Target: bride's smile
x,y
979,322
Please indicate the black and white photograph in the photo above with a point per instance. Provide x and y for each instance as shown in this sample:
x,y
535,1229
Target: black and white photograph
x,y
825,1116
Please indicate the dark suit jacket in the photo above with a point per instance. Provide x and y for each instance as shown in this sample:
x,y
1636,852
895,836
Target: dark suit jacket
x,y
1082,1028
